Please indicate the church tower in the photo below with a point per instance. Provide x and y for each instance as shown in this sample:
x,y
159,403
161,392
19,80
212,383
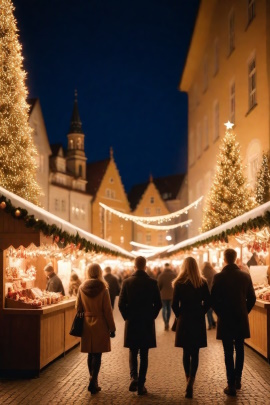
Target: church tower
x,y
76,159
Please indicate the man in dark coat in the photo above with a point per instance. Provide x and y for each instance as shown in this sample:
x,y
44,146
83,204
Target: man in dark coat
x,y
139,304
166,292
54,283
113,283
233,297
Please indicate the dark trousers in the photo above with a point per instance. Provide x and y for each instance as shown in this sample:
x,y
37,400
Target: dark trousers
x,y
191,361
234,368
166,310
94,363
133,364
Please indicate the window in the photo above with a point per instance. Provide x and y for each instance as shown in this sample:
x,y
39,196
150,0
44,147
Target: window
x,y
148,237
199,141
158,211
79,143
152,200
122,240
216,121
71,144
251,10
101,211
232,102
205,74
56,204
112,193
216,56
160,239
252,83
63,206
80,170
83,212
111,180
231,32
147,211
108,193
205,127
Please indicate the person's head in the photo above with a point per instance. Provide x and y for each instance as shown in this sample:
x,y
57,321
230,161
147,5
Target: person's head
x,y
74,276
108,270
230,256
190,272
166,266
48,269
140,263
256,257
94,272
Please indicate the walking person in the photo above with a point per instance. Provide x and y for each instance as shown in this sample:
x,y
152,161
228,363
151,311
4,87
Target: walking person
x,y
139,304
208,273
191,301
166,292
233,297
93,299
113,283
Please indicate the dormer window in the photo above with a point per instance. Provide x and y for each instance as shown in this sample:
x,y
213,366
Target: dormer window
x,y
71,144
152,200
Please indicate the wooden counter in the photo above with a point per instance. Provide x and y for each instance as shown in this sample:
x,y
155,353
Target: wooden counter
x,y
259,322
35,337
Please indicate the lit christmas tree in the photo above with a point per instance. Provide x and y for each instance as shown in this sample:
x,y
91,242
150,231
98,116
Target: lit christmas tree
x,y
229,196
263,181
17,150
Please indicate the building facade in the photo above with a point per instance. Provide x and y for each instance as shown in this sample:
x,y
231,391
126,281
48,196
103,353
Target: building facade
x,y
226,77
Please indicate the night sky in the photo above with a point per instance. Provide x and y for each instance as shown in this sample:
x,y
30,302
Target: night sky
x,y
125,58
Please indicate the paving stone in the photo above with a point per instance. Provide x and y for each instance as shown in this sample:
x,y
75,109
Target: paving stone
x,y
65,381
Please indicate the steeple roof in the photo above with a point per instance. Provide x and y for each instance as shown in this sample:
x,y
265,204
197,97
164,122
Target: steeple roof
x,y
75,122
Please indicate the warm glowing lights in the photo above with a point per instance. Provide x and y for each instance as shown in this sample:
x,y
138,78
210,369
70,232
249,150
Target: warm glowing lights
x,y
228,125
159,218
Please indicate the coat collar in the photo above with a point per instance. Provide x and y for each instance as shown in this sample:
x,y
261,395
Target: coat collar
x,y
140,273
230,267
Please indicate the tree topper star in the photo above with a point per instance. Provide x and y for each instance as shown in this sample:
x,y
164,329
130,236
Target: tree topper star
x,y
229,125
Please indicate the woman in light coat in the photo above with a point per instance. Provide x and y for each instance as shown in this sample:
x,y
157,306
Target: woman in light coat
x,y
191,301
94,300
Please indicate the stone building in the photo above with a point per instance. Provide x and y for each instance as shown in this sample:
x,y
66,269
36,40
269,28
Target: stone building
x,y
226,77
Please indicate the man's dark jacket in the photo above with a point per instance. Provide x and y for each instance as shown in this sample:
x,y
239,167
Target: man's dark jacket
x,y
139,304
114,287
233,297
54,284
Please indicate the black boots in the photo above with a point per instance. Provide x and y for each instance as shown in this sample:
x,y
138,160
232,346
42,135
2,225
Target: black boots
x,y
141,389
238,383
189,389
133,386
230,390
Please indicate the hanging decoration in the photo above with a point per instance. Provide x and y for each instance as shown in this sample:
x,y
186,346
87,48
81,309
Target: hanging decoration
x,y
159,218
163,227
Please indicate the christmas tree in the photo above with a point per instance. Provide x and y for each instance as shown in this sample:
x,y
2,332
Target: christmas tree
x,y
17,150
263,181
229,195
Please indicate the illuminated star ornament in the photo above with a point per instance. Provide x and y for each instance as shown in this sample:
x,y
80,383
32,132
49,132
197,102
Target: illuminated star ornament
x,y
229,125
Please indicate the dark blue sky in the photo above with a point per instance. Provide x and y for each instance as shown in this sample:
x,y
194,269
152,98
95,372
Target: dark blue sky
x,y
125,57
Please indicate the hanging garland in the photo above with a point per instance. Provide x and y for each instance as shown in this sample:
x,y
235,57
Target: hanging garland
x,y
254,224
163,227
62,238
158,218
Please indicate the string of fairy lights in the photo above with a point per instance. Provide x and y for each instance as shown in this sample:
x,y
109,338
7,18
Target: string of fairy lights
x,y
146,221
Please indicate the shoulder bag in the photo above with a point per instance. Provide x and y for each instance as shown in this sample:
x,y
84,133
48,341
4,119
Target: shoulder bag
x,y
77,325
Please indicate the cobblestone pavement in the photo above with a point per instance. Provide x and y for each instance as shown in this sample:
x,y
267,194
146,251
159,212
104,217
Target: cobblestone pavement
x,y
65,381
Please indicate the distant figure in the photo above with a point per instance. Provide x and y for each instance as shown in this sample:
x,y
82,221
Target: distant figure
x,y
93,299
74,284
166,292
208,273
113,283
191,301
242,266
139,304
54,283
253,261
233,297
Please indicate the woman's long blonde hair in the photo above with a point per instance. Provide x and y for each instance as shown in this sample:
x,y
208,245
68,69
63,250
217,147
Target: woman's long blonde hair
x,y
190,272
94,271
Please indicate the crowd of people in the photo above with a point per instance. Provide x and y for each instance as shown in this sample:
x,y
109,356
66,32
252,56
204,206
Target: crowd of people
x,y
192,295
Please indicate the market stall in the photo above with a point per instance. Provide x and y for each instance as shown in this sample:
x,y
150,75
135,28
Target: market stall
x,y
35,324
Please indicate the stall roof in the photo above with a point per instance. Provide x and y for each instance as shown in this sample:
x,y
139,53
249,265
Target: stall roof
x,y
256,212
51,219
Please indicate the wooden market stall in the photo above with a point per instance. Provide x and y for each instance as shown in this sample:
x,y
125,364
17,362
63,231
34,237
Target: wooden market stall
x,y
35,329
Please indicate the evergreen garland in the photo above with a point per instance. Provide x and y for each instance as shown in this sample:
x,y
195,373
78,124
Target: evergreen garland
x,y
263,181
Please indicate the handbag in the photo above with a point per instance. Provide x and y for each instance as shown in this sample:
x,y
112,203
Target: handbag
x,y
77,325
173,328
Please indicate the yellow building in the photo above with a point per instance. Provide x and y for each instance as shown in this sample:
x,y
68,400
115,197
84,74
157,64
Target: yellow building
x,y
105,184
226,76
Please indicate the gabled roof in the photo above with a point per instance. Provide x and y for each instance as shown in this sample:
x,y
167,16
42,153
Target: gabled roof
x,y
95,172
56,148
168,188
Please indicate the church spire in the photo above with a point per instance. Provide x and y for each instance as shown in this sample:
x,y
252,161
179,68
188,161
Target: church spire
x,y
75,122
